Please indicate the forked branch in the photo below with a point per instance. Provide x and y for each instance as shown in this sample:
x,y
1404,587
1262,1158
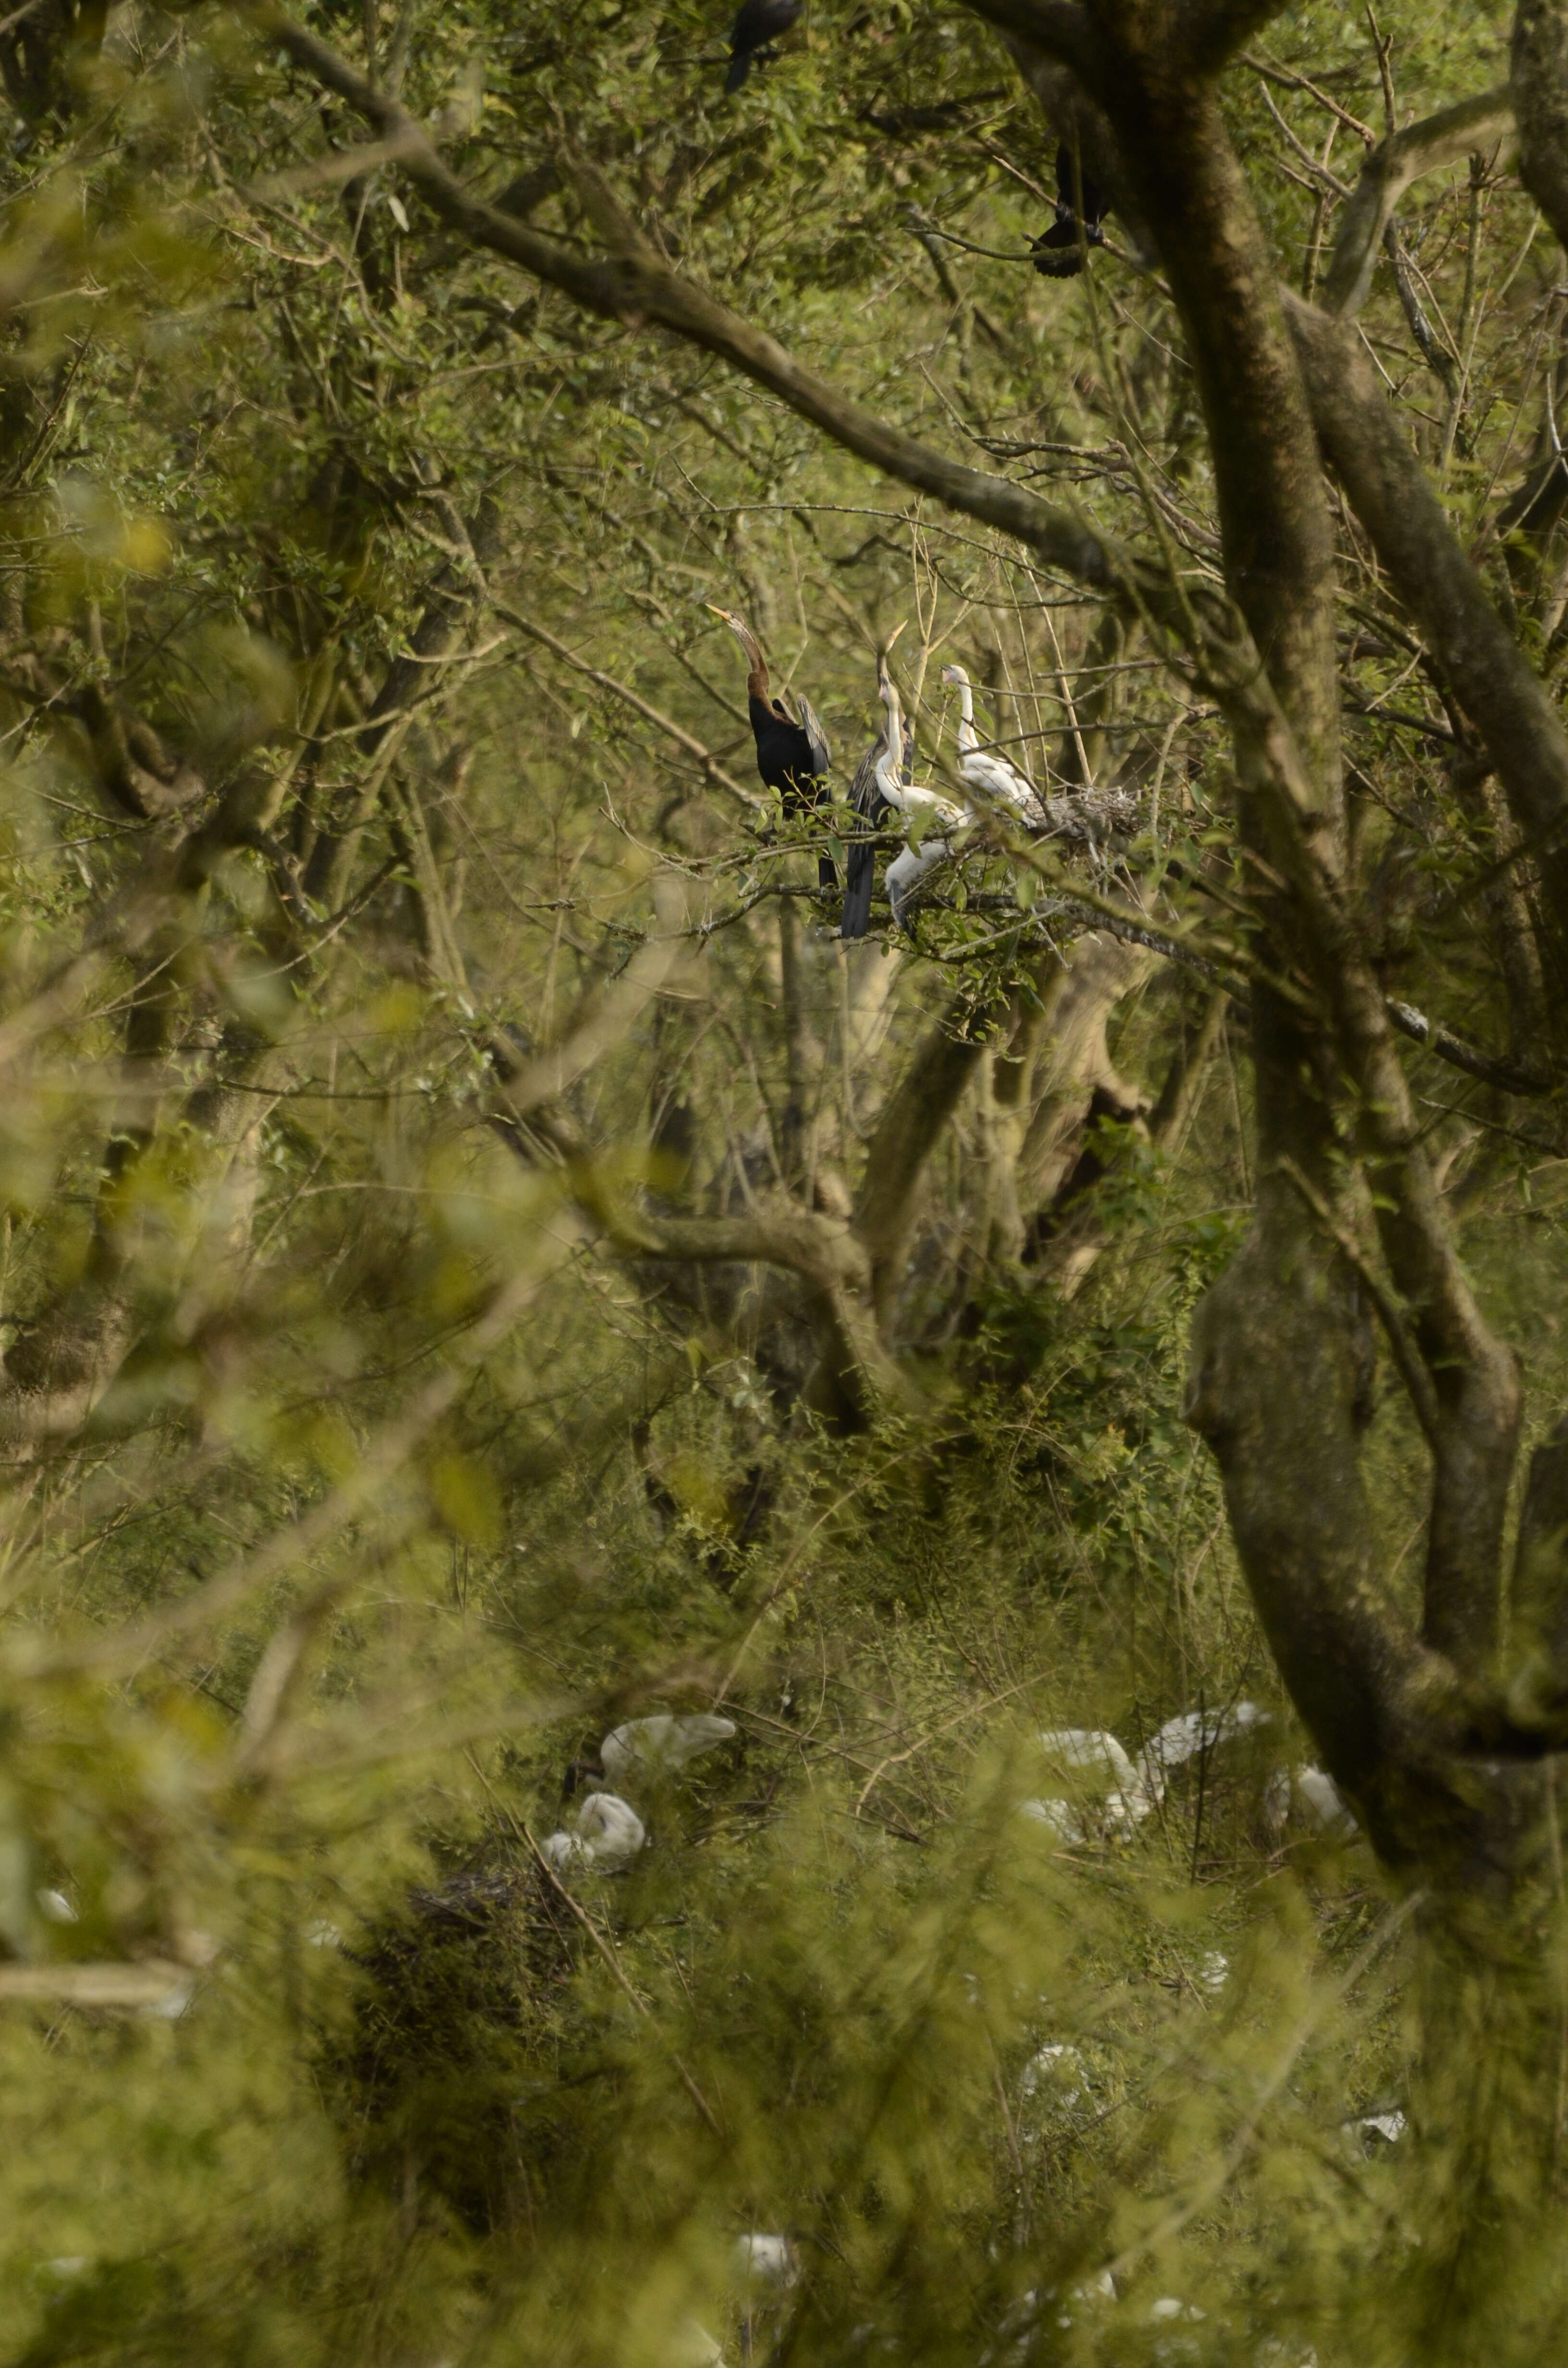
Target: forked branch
x,y
1443,139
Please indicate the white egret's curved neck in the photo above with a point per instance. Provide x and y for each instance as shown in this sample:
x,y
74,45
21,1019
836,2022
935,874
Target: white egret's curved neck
x,y
887,765
967,737
893,706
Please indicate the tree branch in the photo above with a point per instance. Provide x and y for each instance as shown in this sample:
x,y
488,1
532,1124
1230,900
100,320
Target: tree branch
x,y
1538,86
1507,1076
1420,148
1474,1377
918,1108
672,731
634,292
1059,28
1391,495
1213,30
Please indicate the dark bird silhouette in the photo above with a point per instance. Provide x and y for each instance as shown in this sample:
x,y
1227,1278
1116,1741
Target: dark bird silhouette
x,y
793,759
866,797
759,23
1059,252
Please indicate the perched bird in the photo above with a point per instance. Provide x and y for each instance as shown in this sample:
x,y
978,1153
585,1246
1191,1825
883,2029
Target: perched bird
x,y
760,23
664,1741
935,818
866,797
793,759
984,770
1059,252
860,864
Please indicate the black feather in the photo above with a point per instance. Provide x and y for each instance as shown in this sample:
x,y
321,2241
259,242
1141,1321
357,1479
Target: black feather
x,y
789,762
1059,252
759,22
860,863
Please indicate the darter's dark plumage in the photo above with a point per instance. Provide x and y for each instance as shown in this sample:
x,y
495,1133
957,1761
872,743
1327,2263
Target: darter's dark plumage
x,y
759,23
1059,252
792,757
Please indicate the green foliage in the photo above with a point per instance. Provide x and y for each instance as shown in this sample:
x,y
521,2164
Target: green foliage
x,y
355,1486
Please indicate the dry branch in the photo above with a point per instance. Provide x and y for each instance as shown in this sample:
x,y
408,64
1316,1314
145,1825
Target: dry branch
x,y
1446,138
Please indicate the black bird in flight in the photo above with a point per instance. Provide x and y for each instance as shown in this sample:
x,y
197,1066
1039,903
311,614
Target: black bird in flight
x,y
759,23
793,759
1059,252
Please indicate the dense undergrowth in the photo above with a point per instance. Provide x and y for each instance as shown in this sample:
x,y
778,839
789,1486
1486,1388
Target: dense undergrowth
x,y
427,2101
360,1478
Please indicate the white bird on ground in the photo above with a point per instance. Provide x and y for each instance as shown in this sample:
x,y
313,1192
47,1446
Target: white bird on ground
x,y
1051,2068
1183,1737
1387,2128
1133,1789
666,1741
934,820
984,770
1311,1793
763,2258
609,1834
1060,1817
1127,1803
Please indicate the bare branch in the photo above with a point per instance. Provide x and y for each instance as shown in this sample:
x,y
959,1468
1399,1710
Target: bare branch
x,y
1392,497
672,731
1443,139
1507,1077
552,1072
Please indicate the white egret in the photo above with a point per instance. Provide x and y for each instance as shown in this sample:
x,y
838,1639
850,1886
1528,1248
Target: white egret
x,y
933,821
666,1740
986,772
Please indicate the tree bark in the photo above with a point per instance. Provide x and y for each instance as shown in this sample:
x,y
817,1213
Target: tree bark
x,y
1539,84
1392,497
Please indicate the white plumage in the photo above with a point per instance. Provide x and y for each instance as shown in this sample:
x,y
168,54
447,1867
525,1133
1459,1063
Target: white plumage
x,y
1131,1788
1127,1801
982,769
934,818
666,1740
763,2258
1181,1739
610,1833
1313,1796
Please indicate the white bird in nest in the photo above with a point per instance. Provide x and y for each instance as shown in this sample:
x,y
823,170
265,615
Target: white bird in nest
x,y
1131,1789
667,1740
1127,1803
936,820
761,2257
609,1834
989,774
